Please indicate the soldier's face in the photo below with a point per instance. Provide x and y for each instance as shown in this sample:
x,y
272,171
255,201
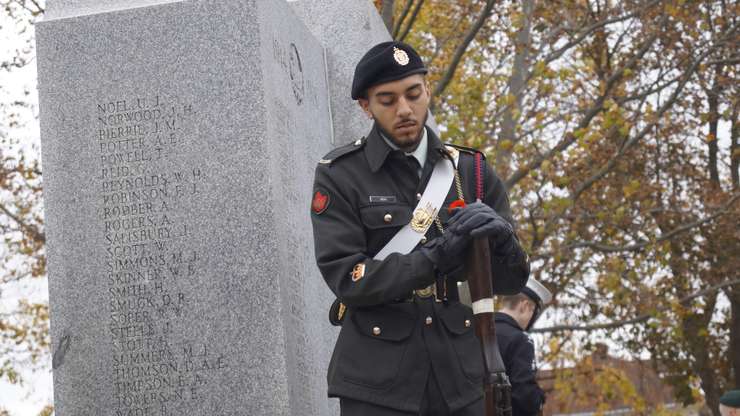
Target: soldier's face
x,y
400,108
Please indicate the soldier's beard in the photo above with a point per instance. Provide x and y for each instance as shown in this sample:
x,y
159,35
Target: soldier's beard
x,y
407,144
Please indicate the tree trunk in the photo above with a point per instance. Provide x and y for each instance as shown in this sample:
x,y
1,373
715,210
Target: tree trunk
x,y
519,74
692,324
386,12
713,101
734,294
702,365
735,148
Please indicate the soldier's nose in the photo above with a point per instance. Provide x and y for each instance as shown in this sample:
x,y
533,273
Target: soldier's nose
x,y
404,110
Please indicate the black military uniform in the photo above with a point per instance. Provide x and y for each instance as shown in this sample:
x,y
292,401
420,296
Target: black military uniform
x,y
517,351
399,348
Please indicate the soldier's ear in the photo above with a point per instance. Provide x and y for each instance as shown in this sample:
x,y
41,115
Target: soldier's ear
x,y
365,105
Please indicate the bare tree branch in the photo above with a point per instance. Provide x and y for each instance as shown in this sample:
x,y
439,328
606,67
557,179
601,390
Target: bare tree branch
x,y
15,278
440,43
585,32
402,17
648,92
38,7
462,47
637,319
28,228
17,62
520,71
411,21
726,61
646,129
39,10
598,106
605,248
735,146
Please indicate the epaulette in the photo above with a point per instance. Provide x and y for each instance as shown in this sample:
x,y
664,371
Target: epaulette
x,y
464,149
343,150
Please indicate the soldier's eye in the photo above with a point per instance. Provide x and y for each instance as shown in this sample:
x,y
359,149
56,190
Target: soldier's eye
x,y
386,102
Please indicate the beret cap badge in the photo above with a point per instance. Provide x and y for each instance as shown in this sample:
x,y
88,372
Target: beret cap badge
x,y
400,56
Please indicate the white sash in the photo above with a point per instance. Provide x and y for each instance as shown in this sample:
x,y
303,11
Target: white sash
x,y
426,210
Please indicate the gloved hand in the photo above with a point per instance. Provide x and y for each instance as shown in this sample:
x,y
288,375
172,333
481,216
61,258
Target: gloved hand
x,y
446,251
479,220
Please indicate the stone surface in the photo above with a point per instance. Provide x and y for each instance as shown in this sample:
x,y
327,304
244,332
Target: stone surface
x,y
57,9
347,29
178,143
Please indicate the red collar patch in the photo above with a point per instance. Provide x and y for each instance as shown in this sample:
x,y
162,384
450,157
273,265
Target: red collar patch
x,y
320,201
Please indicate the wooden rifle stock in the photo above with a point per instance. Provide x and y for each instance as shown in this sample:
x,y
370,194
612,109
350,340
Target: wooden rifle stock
x,y
495,382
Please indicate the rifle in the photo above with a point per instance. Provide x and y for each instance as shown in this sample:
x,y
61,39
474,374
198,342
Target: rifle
x,y
496,384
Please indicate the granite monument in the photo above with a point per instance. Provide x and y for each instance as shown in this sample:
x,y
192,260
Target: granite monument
x,y
178,144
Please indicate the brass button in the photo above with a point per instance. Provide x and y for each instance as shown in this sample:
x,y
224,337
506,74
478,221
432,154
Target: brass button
x,y
423,240
467,323
418,197
376,330
388,218
428,320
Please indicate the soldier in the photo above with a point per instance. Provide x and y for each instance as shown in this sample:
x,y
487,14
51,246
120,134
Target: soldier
x,y
729,403
391,249
518,314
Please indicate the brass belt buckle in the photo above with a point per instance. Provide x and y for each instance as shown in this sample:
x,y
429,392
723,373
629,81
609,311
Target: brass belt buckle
x,y
426,292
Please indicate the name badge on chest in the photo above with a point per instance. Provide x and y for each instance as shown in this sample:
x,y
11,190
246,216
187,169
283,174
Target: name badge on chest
x,y
379,199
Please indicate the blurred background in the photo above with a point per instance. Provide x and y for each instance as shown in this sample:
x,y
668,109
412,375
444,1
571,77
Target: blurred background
x,y
614,125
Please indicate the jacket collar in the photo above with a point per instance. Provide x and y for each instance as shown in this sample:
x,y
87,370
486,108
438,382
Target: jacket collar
x,y
420,153
377,150
506,318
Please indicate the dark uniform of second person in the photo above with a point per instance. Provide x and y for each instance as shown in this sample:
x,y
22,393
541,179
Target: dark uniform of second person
x,y
518,314
407,345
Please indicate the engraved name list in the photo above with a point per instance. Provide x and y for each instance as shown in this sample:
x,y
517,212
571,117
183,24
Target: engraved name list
x,y
157,366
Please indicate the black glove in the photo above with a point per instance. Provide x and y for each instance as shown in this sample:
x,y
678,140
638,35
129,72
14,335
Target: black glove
x,y
446,251
480,220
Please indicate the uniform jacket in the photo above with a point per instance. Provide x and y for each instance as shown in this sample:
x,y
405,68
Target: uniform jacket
x,y
364,192
517,351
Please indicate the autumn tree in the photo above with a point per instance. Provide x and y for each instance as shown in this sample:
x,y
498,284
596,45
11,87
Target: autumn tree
x,y
24,322
603,119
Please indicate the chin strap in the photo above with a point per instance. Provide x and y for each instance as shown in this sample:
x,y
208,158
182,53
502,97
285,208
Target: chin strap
x,y
535,316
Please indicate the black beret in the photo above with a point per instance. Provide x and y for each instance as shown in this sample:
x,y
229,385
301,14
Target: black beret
x,y
385,62
731,399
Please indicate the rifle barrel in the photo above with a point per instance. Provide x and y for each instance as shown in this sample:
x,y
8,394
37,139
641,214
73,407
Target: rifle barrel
x,y
495,383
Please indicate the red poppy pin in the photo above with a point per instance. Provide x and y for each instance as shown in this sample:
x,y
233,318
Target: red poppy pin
x,y
320,201
458,203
